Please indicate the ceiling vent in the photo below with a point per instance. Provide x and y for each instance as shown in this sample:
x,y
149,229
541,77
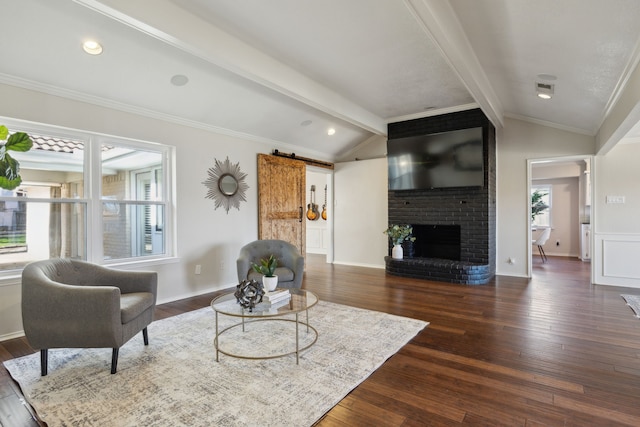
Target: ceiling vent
x,y
544,90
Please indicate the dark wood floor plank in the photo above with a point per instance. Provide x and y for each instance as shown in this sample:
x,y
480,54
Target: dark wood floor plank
x,y
550,351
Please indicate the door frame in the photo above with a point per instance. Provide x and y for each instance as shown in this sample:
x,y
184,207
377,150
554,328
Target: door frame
x,y
593,216
330,207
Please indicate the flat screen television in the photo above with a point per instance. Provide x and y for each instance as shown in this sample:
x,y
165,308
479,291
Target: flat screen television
x,y
439,160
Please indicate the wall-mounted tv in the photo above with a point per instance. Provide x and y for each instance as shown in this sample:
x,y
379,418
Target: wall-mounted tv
x,y
439,160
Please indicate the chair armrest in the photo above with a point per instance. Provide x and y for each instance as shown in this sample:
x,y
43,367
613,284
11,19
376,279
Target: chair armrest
x,y
126,281
297,263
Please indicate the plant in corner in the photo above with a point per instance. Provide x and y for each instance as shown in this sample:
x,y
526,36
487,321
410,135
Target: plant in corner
x,y
9,167
267,268
537,204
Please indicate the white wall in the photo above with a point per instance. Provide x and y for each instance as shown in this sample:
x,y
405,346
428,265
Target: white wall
x,y
617,234
517,142
360,190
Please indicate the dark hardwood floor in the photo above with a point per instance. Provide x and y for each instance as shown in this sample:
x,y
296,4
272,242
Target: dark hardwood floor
x,y
550,351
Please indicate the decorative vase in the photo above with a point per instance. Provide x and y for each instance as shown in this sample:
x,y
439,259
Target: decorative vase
x,y
408,249
397,252
269,283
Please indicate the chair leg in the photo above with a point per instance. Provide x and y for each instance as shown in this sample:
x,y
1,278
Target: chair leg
x,y
145,336
542,254
114,360
44,361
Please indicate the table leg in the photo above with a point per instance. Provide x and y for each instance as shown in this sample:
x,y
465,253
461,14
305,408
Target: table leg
x,y
297,343
307,311
216,339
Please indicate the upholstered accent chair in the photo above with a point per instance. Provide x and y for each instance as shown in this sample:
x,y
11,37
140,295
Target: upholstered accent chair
x,y
67,303
290,269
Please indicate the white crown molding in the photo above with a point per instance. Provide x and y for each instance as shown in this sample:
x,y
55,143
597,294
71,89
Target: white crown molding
x,y
634,60
145,112
549,124
434,112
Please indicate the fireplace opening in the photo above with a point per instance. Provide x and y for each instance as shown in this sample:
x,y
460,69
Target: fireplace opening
x,y
437,241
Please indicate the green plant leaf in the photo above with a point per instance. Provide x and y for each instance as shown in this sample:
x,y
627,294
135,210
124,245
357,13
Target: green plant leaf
x,y
9,168
19,141
267,266
3,132
9,184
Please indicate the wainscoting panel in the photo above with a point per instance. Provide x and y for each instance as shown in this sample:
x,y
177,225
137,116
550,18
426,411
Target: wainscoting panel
x,y
316,240
616,259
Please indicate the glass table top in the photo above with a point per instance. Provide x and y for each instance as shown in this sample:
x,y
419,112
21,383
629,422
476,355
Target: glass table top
x,y
300,300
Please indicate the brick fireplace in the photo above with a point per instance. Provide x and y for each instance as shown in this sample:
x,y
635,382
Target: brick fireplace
x,y
455,227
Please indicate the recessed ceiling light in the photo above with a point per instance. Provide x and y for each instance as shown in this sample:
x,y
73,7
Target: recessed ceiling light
x,y
331,131
306,123
179,80
92,47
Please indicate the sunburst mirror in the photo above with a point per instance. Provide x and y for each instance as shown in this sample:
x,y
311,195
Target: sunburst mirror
x,y
226,185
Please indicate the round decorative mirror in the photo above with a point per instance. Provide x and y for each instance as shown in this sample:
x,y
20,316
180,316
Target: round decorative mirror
x,y
226,185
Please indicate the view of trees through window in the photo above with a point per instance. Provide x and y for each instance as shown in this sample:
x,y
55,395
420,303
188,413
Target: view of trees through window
x,y
541,205
54,214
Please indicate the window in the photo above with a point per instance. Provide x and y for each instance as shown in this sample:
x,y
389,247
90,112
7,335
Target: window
x,y
86,196
541,197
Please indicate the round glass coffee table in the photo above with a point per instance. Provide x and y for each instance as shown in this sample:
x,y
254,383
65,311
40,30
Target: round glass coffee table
x,y
301,301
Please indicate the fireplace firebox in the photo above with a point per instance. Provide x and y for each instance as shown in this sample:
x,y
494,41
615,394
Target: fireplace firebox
x,y
437,241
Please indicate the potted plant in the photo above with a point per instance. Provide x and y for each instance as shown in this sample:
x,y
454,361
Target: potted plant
x,y
398,234
267,268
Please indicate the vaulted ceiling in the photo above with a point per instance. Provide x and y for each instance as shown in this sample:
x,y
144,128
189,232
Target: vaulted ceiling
x,y
285,71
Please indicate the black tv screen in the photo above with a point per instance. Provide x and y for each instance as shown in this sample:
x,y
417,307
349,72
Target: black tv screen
x,y
439,160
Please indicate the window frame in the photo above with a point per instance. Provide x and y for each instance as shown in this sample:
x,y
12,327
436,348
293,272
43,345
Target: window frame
x,y
92,197
545,188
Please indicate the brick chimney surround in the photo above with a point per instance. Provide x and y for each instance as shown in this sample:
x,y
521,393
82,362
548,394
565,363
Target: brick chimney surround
x,y
455,228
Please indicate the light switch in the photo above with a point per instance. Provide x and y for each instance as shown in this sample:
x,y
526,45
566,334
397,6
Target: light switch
x,y
615,199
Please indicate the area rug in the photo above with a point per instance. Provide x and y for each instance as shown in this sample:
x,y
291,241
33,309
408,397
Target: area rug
x,y
633,301
176,381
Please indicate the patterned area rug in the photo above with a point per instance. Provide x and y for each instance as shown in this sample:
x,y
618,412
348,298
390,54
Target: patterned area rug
x,y
176,381
633,301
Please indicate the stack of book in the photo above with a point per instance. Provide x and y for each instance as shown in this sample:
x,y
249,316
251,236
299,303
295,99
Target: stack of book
x,y
276,298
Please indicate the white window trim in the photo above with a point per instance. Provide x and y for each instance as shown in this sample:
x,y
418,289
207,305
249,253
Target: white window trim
x,y
93,190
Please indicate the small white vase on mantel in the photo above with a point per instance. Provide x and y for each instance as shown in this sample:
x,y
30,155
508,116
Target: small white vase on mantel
x,y
270,283
397,252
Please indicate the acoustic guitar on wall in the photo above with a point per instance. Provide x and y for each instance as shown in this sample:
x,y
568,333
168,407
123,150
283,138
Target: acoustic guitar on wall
x,y
324,207
312,208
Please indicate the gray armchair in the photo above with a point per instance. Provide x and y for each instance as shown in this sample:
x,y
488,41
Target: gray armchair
x,y
290,268
68,303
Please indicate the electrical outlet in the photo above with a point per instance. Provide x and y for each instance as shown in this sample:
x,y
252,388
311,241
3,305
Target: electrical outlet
x,y
198,268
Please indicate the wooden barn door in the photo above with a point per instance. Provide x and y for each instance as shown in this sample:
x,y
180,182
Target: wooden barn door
x,y
281,199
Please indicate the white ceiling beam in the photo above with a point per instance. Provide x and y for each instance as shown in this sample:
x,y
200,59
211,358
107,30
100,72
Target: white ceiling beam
x,y
439,21
166,21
